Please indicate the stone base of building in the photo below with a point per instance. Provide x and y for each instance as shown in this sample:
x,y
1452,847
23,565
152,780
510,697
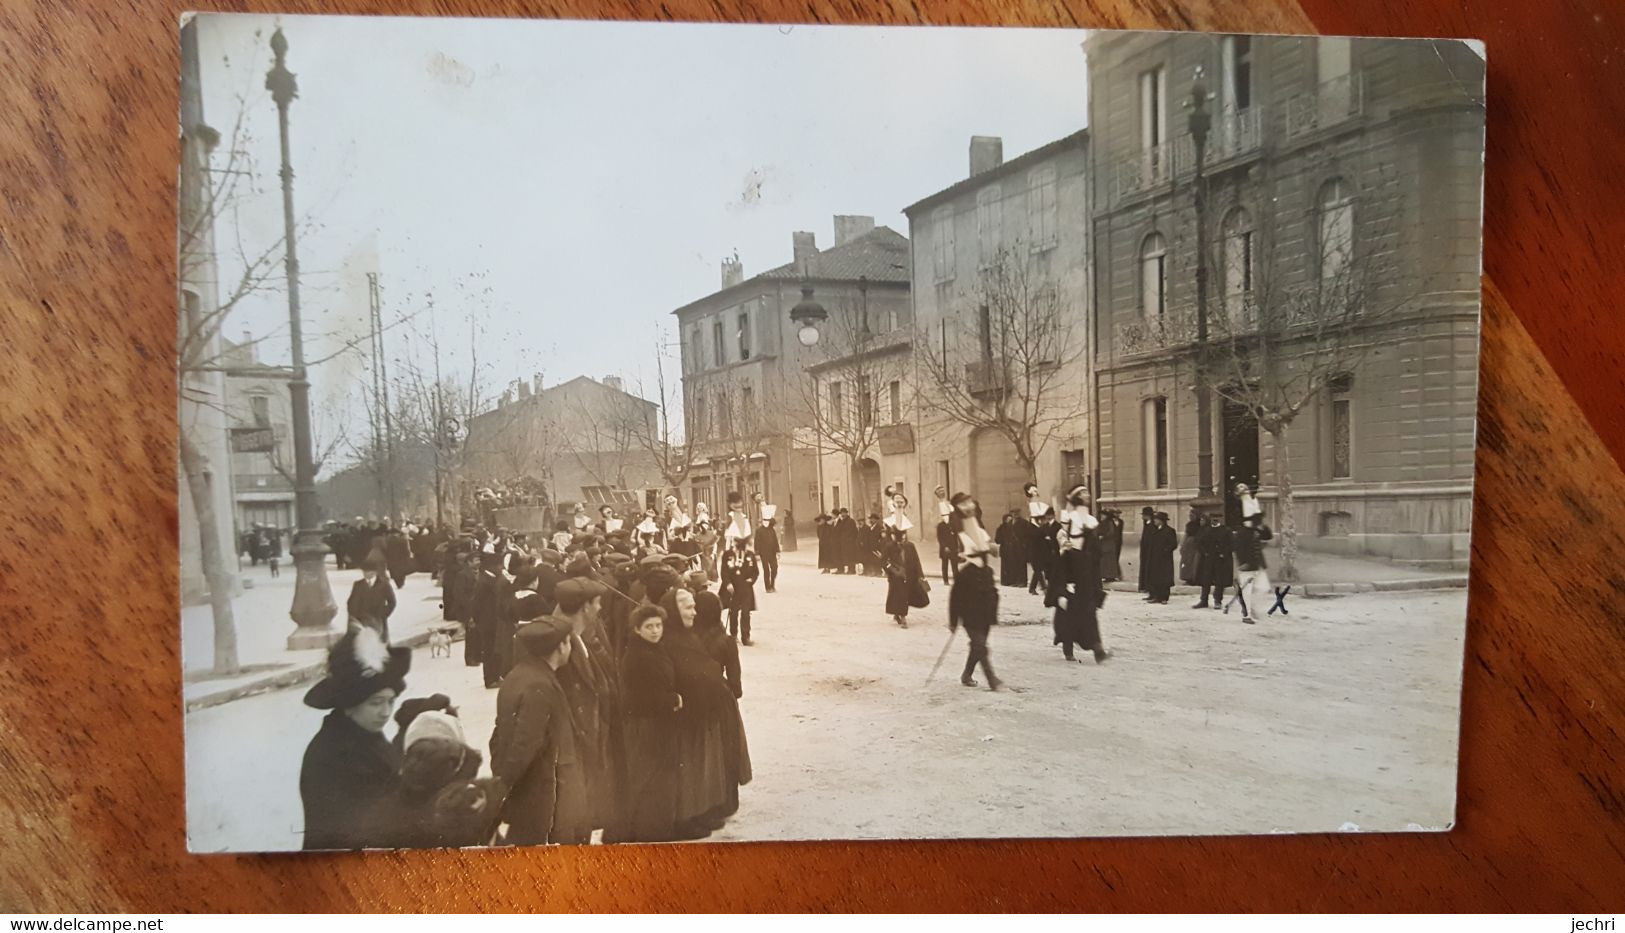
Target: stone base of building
x,y
1449,551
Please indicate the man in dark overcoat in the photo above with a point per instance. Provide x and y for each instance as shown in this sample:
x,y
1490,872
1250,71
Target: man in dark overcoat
x,y
588,679
533,751
767,550
847,546
398,555
947,550
740,568
489,616
1147,519
1042,550
372,599
1216,570
1159,546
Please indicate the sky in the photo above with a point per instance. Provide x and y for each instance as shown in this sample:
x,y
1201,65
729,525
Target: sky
x,y
544,193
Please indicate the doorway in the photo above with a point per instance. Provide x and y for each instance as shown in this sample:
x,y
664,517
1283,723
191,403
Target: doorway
x,y
1240,441
868,488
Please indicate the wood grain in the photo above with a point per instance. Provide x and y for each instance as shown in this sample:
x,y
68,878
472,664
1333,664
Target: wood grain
x,y
91,761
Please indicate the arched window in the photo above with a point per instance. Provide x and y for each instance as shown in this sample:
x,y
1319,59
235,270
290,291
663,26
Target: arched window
x,y
1153,277
1237,245
1334,209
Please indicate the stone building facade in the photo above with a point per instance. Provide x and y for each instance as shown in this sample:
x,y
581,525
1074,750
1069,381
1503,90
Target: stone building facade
x,y
1332,167
1028,217
748,397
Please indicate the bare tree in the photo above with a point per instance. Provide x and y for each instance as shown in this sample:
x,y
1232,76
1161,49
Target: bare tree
x,y
1301,320
1014,371
603,434
660,437
437,403
726,426
846,400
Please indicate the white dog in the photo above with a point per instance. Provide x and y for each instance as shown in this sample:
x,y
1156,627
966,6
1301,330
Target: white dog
x,y
439,643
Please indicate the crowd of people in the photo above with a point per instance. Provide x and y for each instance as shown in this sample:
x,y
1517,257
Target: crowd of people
x,y
617,686
618,682
1069,556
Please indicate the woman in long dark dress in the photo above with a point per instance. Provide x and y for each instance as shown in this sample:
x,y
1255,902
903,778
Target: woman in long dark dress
x,y
651,705
703,793
905,577
1076,594
826,553
724,650
1111,546
1011,537
1190,555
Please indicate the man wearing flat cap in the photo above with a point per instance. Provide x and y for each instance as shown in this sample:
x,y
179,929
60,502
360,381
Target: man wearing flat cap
x,y
589,681
533,750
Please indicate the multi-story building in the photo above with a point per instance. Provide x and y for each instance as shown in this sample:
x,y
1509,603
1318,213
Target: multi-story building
x,y
749,401
586,440
1338,239
260,414
202,388
1002,300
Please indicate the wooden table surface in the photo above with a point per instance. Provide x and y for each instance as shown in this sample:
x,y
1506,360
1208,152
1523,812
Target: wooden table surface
x,y
91,762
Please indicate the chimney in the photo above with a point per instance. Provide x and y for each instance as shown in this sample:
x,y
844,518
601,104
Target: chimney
x,y
536,381
733,271
849,227
614,382
806,247
524,389
986,152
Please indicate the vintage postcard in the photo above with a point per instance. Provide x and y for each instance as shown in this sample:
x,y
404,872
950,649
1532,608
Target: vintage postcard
x,y
608,433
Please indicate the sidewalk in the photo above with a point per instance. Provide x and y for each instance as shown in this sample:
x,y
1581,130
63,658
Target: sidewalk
x,y
263,627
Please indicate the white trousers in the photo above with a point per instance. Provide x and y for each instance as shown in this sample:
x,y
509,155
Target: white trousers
x,y
1253,586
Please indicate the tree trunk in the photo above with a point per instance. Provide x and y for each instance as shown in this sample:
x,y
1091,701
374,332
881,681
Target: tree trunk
x,y
199,483
1289,519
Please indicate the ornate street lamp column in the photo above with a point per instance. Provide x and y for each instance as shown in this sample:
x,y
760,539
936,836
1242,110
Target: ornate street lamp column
x,y
313,607
1200,122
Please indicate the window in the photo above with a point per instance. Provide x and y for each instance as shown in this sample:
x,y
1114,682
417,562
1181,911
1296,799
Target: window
x,y
1156,443
1153,278
698,407
942,242
989,224
896,389
744,335
192,309
725,415
866,403
837,405
984,331
1041,207
945,477
1335,230
1153,111
1074,468
1342,426
1236,65
942,340
747,408
696,349
261,407
1237,244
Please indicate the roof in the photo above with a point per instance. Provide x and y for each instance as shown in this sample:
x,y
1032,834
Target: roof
x,y
881,255
1019,163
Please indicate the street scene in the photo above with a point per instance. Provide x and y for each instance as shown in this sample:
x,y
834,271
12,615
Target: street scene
x,y
1118,486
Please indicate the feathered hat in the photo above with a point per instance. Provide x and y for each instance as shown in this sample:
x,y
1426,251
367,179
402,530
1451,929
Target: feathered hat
x,y
358,666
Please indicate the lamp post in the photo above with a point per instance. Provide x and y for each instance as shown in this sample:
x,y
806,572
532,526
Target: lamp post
x,y
1200,122
313,607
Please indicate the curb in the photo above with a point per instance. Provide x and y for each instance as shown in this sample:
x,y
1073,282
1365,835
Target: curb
x,y
283,679
1455,581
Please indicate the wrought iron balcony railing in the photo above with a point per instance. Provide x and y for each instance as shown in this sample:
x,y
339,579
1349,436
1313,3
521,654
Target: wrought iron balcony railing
x,y
1329,104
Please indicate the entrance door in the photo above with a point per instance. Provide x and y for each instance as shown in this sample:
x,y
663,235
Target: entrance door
x,y
868,491
1240,456
996,476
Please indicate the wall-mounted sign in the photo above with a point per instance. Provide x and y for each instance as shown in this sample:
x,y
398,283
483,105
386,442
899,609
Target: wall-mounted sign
x,y
252,440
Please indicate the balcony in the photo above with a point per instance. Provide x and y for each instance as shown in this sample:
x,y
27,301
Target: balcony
x,y
987,377
1235,132
1333,102
1175,327
1145,169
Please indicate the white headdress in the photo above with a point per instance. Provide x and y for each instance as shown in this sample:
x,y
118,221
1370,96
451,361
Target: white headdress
x,y
768,511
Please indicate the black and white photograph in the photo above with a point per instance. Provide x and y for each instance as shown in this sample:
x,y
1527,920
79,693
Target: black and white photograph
x,y
598,433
